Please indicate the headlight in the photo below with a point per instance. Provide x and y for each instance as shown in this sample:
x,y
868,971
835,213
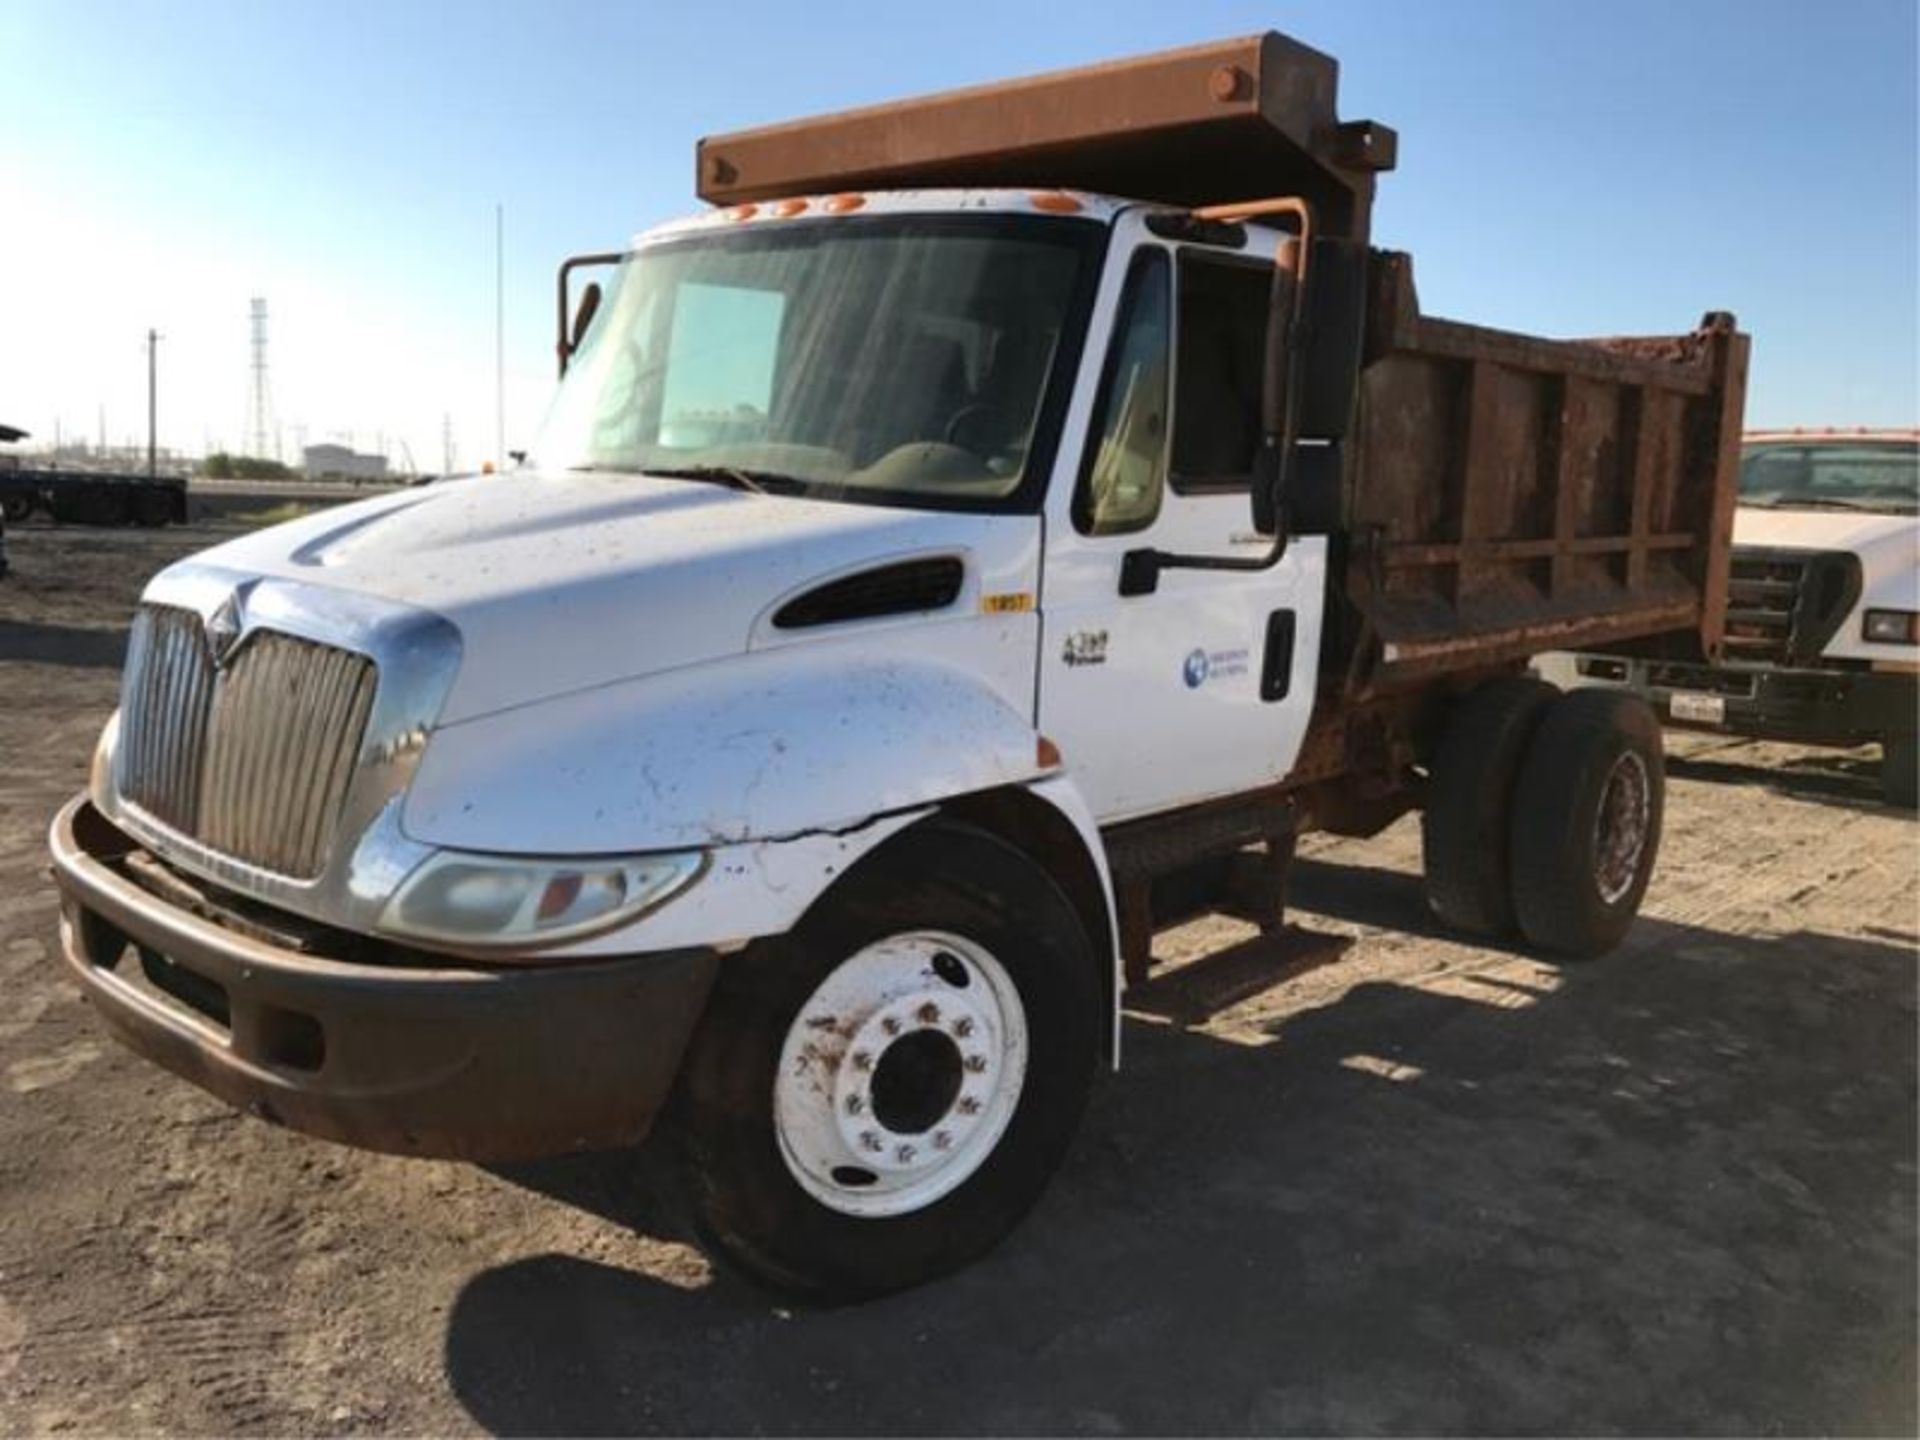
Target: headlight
x,y
493,900
1892,627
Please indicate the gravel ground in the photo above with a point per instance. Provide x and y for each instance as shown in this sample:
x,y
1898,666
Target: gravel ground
x,y
1360,1177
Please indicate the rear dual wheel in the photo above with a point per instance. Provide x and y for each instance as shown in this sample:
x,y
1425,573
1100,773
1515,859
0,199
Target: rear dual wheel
x,y
1587,811
1544,815
877,1098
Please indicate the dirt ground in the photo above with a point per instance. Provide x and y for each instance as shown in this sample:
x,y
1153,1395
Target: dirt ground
x,y
1397,1183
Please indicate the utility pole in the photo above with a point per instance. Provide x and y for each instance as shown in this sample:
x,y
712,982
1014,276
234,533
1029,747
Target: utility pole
x,y
153,394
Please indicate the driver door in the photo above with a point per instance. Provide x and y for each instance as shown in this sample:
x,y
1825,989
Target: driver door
x,y
1203,686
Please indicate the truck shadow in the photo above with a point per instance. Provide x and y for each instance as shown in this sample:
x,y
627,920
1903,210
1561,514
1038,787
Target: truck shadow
x,y
1672,1191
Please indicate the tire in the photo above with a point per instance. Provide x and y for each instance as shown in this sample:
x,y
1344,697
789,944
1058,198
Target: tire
x,y
152,508
16,507
1900,771
768,1080
1464,829
1587,811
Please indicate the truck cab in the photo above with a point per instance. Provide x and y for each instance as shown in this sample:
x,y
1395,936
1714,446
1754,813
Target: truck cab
x,y
1823,637
935,565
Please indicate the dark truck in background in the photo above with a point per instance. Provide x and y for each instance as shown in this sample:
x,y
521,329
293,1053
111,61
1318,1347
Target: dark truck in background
x,y
1822,642
86,497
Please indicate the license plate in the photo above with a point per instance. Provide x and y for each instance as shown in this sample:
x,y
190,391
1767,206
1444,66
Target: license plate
x,y
1700,709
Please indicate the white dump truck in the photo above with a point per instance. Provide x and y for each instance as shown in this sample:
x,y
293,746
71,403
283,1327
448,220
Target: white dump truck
x,y
997,526
1823,605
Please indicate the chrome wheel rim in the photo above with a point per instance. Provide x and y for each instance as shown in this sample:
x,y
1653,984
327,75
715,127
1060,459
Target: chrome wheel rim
x,y
900,1074
1621,826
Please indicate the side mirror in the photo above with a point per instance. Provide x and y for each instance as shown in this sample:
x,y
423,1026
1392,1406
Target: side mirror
x,y
573,324
1267,479
1278,388
583,317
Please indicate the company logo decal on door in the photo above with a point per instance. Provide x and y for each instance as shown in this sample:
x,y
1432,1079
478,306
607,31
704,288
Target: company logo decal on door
x,y
1204,665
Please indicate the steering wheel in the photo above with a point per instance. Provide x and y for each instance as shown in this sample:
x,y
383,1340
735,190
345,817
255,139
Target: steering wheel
x,y
970,414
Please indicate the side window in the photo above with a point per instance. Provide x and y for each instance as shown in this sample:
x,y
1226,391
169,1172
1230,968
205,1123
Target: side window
x,y
1223,328
1126,466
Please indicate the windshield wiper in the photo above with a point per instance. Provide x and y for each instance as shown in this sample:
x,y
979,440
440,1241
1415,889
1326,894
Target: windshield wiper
x,y
753,481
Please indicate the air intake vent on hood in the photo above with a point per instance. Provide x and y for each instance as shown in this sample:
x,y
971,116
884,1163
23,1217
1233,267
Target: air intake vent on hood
x,y
888,590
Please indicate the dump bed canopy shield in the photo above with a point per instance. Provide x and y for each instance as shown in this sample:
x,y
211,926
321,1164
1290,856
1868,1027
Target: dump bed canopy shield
x,y
1234,120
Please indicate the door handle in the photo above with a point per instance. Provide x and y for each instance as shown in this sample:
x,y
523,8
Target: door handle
x,y
1276,668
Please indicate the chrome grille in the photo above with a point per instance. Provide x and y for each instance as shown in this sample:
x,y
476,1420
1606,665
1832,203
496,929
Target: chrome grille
x,y
1784,605
163,715
252,760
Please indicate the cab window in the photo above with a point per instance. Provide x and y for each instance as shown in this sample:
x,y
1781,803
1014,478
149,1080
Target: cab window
x,y
1216,412
1126,467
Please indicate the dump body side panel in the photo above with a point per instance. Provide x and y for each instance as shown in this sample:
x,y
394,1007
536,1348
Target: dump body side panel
x,y
1507,495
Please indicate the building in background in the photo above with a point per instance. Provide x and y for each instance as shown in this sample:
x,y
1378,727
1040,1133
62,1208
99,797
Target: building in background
x,y
323,460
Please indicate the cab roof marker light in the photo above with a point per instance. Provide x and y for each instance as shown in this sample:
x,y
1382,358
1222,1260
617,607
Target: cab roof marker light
x,y
1055,202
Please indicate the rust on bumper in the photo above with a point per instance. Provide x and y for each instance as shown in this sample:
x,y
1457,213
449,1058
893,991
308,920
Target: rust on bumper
x,y
461,1063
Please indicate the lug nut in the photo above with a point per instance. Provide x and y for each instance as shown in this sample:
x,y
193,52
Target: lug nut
x,y
890,1025
855,1104
963,1027
976,1063
862,1060
928,1014
968,1105
942,1140
870,1141
905,1153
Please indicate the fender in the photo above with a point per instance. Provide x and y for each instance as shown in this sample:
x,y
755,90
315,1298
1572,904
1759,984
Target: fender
x,y
756,747
1063,795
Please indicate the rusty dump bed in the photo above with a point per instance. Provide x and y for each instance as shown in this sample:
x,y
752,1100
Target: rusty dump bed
x,y
1506,495
1498,495
1234,120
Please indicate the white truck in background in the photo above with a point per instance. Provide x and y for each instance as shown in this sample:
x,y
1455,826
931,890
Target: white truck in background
x,y
1823,605
1005,518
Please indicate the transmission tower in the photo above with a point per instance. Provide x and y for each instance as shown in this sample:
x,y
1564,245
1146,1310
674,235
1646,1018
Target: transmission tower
x,y
262,435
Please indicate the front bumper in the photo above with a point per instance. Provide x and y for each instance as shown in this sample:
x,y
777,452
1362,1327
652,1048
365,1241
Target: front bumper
x,y
460,1062
1817,707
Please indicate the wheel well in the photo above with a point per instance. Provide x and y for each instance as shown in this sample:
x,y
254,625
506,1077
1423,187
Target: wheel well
x,y
1047,837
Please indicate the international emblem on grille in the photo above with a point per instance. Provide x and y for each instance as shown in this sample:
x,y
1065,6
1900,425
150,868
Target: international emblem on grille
x,y
223,631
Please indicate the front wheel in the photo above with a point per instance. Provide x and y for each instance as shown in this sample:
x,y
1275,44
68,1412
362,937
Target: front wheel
x,y
877,1099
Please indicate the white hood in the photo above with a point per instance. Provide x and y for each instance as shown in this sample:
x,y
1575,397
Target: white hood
x,y
1855,530
558,583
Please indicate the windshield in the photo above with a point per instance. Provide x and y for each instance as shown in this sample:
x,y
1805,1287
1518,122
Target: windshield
x,y
1838,474
904,360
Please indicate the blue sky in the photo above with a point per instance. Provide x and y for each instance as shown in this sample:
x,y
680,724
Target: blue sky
x,y
1564,168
